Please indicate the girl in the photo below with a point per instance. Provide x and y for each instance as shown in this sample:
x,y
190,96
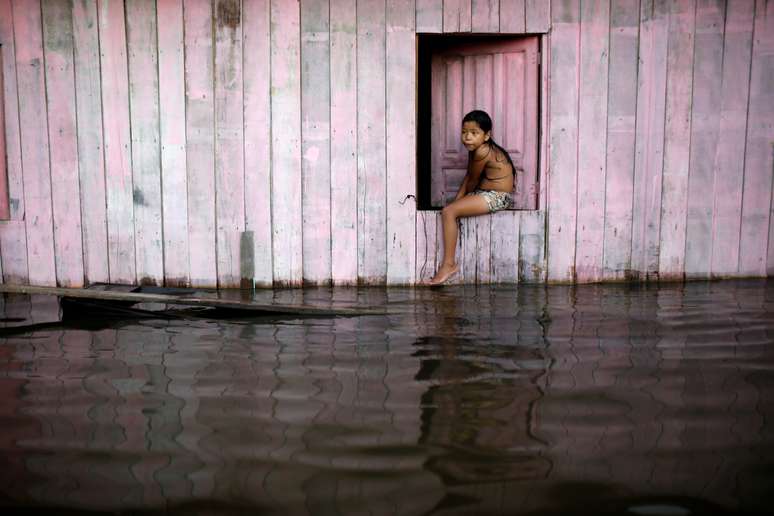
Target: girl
x,y
486,187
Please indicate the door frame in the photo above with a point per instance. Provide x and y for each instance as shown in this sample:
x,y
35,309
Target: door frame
x,y
429,43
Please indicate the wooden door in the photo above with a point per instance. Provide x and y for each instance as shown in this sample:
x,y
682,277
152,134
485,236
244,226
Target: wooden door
x,y
501,78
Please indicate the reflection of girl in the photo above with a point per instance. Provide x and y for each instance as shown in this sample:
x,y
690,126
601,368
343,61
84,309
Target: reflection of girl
x,y
486,188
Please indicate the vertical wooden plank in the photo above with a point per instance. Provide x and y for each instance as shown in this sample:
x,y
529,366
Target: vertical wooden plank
x,y
91,158
5,209
146,154
705,119
344,247
758,164
11,115
485,15
513,16
115,123
467,255
729,153
537,15
60,97
622,109
13,238
677,139
438,113
456,15
545,128
476,249
592,145
505,246
13,242
286,143
565,64
426,261
200,140
371,181
532,259
483,249
172,118
621,126
34,142
649,146
315,140
229,143
401,142
257,103
429,15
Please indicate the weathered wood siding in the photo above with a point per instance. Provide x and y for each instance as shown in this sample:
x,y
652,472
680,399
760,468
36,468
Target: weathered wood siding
x,y
273,142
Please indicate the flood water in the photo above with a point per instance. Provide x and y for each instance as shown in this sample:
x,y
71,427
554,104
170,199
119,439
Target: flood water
x,y
460,400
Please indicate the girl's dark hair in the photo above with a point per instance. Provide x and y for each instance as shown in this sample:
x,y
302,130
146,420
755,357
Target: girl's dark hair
x,y
484,121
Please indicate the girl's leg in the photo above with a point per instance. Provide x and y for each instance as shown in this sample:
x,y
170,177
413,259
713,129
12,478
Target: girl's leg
x,y
466,207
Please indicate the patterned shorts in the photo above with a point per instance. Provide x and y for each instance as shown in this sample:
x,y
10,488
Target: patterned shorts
x,y
495,200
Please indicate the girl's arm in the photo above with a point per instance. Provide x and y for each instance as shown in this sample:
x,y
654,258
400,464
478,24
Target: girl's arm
x,y
476,164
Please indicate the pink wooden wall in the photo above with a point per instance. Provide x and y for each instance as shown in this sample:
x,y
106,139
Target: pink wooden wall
x,y
199,142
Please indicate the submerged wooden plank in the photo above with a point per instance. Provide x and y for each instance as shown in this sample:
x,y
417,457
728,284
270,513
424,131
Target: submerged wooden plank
x,y
38,214
456,15
729,153
400,145
429,15
371,180
117,143
286,177
143,49
344,169
257,111
592,141
62,133
504,241
513,16
485,15
427,260
532,258
758,166
193,300
563,147
229,142
677,139
705,120
172,132
200,140
649,146
316,141
91,158
621,126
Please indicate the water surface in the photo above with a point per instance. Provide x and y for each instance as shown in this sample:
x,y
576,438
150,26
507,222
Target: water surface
x,y
461,400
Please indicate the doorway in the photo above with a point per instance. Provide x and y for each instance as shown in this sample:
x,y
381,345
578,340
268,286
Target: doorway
x,y
498,74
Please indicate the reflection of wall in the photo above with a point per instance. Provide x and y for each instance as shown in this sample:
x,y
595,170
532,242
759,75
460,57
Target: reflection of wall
x,y
492,401
651,391
286,415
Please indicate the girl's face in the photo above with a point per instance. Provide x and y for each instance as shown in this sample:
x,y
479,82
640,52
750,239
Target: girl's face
x,y
473,136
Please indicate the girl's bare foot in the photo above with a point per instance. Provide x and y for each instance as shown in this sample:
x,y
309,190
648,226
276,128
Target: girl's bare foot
x,y
444,273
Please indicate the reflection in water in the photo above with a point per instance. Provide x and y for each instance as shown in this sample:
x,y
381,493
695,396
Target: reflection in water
x,y
609,399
